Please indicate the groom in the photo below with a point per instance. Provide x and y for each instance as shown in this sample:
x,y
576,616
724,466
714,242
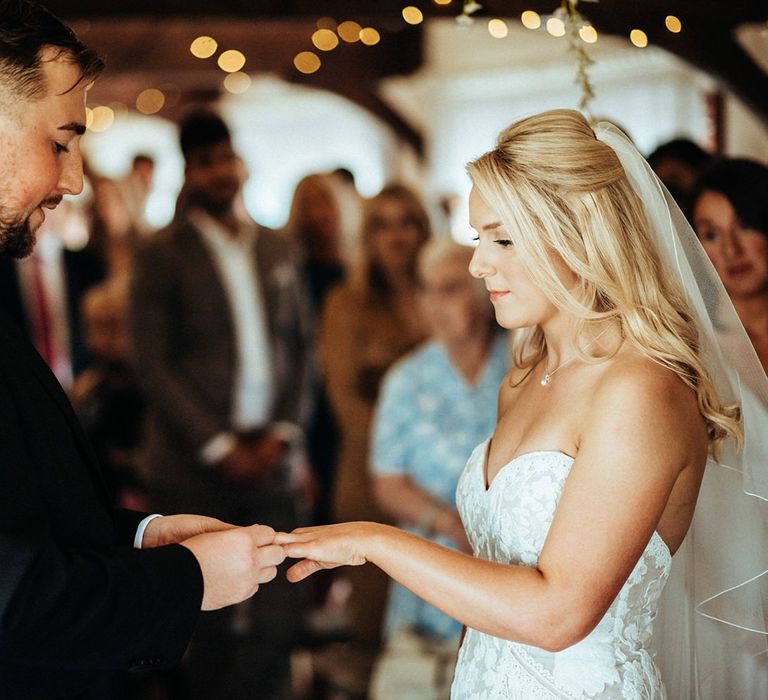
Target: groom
x,y
85,590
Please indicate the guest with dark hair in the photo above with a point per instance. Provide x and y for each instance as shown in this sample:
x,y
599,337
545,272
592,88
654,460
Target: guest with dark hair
x,y
678,164
730,215
221,339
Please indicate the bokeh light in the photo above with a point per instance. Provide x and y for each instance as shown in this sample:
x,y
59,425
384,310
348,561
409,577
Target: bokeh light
x,y
556,26
369,36
325,39
237,83
102,118
231,61
150,101
639,38
349,31
497,28
588,34
530,19
307,62
203,47
413,15
673,24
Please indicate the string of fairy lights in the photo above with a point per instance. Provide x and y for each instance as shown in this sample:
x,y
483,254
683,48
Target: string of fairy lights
x,y
329,35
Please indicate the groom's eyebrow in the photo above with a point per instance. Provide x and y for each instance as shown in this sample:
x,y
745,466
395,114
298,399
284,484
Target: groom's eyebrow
x,y
77,127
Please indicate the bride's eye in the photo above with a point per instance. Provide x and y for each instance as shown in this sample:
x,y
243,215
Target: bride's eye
x,y
504,242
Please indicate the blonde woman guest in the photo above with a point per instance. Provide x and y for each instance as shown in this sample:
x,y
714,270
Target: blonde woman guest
x,y
368,323
606,420
436,404
315,226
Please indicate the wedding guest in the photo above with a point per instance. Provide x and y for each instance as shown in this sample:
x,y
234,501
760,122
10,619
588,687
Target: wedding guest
x,y
135,188
368,323
43,293
436,404
730,215
678,164
221,337
315,226
86,590
107,396
626,389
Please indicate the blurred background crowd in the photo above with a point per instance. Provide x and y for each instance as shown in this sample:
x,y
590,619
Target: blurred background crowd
x,y
340,363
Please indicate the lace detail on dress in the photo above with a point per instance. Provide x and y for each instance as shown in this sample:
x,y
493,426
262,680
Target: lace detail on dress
x,y
508,523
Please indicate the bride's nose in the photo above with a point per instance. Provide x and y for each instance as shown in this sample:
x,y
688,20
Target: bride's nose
x,y
479,267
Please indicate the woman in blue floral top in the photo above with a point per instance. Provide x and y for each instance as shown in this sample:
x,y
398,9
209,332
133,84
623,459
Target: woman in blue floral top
x,y
436,404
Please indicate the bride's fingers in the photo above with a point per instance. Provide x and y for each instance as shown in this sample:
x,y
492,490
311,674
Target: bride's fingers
x,y
295,550
303,569
302,534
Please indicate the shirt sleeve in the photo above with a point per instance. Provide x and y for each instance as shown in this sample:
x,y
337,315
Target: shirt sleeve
x,y
393,423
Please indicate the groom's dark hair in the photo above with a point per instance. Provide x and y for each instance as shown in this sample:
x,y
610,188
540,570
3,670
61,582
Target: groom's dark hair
x,y
26,28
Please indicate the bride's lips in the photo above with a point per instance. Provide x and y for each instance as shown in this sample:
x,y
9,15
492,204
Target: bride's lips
x,y
496,294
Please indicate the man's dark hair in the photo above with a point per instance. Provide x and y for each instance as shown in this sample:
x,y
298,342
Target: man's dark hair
x,y
744,183
143,158
683,150
200,129
25,29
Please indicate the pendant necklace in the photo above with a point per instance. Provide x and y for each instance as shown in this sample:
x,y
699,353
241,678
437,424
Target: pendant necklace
x,y
547,378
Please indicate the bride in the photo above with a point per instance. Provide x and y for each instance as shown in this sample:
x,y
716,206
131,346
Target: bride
x,y
620,401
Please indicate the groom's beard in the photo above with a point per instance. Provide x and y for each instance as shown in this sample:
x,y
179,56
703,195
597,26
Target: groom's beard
x,y
17,237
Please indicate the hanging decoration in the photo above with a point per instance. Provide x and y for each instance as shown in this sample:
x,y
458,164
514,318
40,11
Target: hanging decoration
x,y
468,9
574,23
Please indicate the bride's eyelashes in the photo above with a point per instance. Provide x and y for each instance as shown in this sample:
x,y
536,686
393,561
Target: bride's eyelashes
x,y
503,242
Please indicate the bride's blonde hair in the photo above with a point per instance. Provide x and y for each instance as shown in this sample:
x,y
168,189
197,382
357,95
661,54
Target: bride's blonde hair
x,y
558,189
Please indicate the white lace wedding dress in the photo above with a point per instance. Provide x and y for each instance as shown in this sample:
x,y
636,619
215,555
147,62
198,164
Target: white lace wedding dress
x,y
508,523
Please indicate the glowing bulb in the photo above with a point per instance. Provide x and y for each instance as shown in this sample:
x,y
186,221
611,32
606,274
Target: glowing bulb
x,y
325,39
231,61
673,24
237,83
556,26
350,31
497,28
203,47
530,19
588,34
369,36
307,62
103,117
150,101
88,117
326,23
412,15
442,2
639,38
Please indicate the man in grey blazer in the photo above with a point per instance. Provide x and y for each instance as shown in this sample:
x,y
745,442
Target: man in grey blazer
x,y
221,335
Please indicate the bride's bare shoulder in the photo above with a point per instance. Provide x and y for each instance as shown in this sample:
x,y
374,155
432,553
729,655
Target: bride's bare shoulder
x,y
649,395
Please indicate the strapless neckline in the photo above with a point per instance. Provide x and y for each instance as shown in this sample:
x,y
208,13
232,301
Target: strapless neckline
x,y
531,453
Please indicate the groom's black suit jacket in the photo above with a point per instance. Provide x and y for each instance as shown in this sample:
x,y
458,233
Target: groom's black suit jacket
x,y
77,602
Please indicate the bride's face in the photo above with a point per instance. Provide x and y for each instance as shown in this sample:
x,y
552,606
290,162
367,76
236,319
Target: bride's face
x,y
517,299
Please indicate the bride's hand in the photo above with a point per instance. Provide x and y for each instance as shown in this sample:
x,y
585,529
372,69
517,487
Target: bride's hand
x,y
325,547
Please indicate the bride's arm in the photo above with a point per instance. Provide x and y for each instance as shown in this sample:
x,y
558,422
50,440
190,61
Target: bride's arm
x,y
643,429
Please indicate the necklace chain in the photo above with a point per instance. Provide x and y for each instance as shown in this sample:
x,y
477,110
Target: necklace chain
x,y
547,378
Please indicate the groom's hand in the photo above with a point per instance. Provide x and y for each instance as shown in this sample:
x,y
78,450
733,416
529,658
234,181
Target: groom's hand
x,y
172,529
234,562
